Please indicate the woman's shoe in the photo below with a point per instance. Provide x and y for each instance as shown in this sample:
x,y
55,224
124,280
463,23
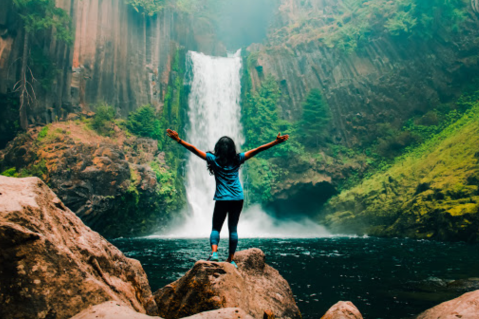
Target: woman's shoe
x,y
214,257
234,264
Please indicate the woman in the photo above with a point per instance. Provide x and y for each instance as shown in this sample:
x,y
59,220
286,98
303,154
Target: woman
x,y
224,163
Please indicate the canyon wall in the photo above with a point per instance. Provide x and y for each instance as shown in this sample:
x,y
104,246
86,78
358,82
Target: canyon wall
x,y
385,80
119,56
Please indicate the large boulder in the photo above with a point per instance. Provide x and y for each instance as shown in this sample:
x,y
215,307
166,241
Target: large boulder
x,y
464,307
52,265
254,287
116,310
343,310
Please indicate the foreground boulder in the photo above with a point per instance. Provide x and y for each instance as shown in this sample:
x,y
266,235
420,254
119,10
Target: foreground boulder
x,y
116,310
464,307
52,265
254,287
343,310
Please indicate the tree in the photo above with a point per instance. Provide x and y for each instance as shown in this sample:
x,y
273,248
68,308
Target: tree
x,y
315,118
144,122
37,15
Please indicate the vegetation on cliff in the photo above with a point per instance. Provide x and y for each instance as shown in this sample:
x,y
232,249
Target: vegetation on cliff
x,y
432,191
37,17
347,24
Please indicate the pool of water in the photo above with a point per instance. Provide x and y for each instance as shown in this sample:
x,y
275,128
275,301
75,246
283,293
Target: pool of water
x,y
384,278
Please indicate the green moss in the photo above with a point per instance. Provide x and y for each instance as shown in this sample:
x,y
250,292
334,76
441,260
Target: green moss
x,y
431,182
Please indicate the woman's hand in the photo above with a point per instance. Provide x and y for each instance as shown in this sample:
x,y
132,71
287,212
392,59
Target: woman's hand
x,y
280,139
173,135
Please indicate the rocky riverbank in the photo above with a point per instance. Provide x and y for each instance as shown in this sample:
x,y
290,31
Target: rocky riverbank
x,y
60,268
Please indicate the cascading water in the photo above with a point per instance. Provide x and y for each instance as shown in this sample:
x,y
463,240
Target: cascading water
x,y
214,111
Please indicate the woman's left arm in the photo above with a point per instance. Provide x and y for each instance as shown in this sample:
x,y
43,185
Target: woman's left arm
x,y
188,146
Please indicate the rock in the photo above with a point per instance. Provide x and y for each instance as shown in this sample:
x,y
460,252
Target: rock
x,y
343,310
268,314
52,265
225,313
106,181
73,117
111,310
464,307
253,287
116,310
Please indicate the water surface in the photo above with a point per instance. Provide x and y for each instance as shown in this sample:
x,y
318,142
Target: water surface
x,y
384,278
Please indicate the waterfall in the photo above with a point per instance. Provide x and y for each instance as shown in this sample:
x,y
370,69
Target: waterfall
x,y
214,111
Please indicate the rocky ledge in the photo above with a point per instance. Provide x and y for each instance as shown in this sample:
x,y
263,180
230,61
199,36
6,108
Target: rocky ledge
x,y
118,185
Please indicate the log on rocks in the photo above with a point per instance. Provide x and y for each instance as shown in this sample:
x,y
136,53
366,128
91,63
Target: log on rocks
x,y
254,287
343,310
52,265
464,307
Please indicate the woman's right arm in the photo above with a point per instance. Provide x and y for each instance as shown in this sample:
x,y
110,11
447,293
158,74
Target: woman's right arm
x,y
279,139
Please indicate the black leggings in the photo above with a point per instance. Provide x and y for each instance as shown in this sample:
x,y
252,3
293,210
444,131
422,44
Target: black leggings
x,y
222,207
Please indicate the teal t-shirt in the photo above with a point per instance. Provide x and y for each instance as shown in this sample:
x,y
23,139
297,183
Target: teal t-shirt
x,y
228,186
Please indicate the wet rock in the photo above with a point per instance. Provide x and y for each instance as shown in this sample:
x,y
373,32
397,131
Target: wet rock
x,y
52,265
254,287
343,310
464,307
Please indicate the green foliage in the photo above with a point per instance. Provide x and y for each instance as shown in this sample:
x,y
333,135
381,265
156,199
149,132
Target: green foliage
x,y
39,169
148,7
103,121
260,179
11,172
166,189
354,22
144,122
261,122
314,120
9,118
434,181
43,133
43,68
39,15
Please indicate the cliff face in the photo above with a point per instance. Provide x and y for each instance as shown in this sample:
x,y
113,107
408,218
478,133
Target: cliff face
x,y
431,193
385,80
119,185
119,56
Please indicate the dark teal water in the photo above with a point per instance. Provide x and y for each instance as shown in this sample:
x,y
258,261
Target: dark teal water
x,y
384,278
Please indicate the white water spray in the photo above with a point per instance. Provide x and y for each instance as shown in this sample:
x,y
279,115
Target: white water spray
x,y
214,111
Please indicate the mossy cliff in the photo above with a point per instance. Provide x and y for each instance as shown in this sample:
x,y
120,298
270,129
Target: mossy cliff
x,y
119,185
431,192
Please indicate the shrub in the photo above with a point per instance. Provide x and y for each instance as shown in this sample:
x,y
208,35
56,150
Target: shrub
x,y
11,172
103,120
144,122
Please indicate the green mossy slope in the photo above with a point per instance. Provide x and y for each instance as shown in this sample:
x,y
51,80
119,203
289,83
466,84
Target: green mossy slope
x,y
431,192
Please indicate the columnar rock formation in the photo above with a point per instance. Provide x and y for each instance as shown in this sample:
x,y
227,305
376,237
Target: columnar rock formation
x,y
385,81
118,56
53,266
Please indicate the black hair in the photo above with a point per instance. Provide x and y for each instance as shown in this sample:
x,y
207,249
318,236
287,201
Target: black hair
x,y
225,152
